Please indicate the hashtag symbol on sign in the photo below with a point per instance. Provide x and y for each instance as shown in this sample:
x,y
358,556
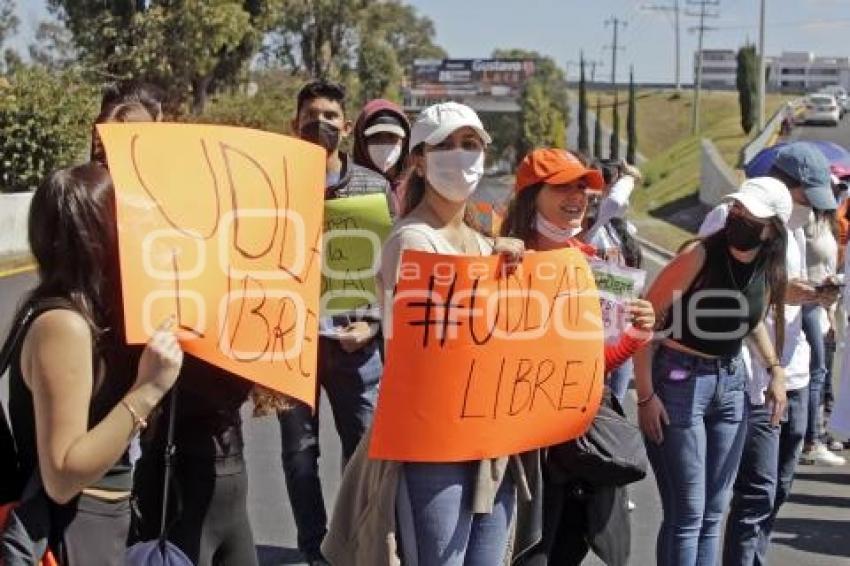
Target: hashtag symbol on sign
x,y
431,315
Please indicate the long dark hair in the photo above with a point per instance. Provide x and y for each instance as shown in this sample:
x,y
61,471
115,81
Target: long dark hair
x,y
414,187
519,221
773,255
73,236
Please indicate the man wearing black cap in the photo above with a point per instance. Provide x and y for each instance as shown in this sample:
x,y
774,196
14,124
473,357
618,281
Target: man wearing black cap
x,y
349,353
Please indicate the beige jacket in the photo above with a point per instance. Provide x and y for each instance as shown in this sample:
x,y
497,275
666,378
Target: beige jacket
x,y
362,529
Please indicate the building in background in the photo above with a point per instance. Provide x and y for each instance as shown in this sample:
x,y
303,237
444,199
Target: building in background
x,y
792,71
487,85
718,68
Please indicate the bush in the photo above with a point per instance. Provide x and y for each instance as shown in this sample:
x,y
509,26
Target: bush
x,y
270,108
45,123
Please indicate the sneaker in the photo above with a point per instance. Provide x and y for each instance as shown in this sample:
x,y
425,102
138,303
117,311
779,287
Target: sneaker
x,y
835,445
820,456
630,505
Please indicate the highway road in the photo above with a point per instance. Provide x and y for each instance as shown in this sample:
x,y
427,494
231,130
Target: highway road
x,y
811,531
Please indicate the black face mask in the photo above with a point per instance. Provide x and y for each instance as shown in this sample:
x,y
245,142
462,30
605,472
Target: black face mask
x,y
743,234
321,133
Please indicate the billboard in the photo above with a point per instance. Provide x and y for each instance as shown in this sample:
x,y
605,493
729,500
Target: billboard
x,y
471,77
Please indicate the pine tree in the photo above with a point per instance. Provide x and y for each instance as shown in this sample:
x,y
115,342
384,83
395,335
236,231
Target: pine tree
x,y
615,129
746,80
597,130
583,141
631,121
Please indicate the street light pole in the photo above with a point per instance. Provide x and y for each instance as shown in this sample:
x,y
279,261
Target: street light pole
x,y
762,68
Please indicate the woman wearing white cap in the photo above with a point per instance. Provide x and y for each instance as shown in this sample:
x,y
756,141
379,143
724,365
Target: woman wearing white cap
x,y
449,514
692,391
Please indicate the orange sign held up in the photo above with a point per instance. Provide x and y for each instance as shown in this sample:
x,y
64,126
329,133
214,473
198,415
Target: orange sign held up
x,y
482,364
222,227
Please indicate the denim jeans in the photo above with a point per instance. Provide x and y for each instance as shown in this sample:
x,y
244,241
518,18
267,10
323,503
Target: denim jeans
x,y
351,383
764,480
619,379
696,463
446,531
818,370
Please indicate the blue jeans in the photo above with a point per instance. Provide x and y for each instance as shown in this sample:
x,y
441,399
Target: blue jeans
x,y
446,531
696,463
818,370
764,480
619,379
351,383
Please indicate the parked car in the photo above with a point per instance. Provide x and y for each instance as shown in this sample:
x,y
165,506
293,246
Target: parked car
x,y
840,95
822,109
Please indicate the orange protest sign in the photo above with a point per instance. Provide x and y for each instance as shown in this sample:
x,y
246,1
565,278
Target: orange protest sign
x,y
481,365
222,227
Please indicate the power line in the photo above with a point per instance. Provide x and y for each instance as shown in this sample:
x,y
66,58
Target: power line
x,y
705,11
675,9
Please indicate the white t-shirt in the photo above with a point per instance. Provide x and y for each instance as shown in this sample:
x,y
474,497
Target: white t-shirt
x,y
412,234
795,354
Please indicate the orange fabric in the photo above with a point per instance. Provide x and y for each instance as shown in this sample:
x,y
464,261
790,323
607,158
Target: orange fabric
x,y
5,509
843,230
617,354
555,167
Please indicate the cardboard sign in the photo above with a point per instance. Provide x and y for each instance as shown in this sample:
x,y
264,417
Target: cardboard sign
x,y
617,285
481,364
221,227
355,229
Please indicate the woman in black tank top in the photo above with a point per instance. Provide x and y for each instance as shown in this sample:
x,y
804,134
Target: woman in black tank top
x,y
692,398
76,398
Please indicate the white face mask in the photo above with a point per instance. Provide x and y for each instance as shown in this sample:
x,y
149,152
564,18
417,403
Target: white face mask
x,y
454,173
384,156
799,216
554,232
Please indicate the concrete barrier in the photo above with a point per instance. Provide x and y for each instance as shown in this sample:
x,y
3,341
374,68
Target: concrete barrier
x,y
14,212
767,136
717,179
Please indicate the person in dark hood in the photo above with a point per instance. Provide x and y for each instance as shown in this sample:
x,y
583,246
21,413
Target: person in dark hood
x,y
381,136
349,350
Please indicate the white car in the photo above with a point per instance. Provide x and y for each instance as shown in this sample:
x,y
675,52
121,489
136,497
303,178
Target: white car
x,y
840,96
822,109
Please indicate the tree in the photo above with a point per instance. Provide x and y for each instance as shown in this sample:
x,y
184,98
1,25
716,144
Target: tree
x,y
410,35
8,26
597,130
378,70
544,108
53,48
631,121
318,36
615,129
583,141
189,48
747,82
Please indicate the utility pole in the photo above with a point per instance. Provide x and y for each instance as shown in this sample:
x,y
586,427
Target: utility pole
x,y
593,65
762,68
705,7
615,46
675,9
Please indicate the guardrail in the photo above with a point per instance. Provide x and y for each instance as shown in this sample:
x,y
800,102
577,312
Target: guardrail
x,y
764,137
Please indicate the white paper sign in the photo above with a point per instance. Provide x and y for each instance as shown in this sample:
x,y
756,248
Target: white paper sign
x,y
616,285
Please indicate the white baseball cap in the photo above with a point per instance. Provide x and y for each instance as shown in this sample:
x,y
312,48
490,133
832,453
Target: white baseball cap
x,y
764,197
437,122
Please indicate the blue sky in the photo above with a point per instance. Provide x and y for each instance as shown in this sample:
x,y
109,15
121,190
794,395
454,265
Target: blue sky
x,y
560,28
